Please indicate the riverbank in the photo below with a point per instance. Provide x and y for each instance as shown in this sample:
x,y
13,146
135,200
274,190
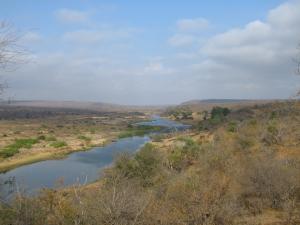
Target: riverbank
x,y
26,141
46,154
84,166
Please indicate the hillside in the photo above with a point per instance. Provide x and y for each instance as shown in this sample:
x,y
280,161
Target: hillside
x,y
239,167
209,103
82,105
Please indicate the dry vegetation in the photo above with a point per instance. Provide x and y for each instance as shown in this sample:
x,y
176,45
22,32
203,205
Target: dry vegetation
x,y
245,169
33,134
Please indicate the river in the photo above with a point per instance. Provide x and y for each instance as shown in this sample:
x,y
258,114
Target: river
x,y
79,167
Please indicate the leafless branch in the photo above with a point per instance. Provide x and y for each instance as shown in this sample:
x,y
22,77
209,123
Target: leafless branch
x,y
298,61
11,53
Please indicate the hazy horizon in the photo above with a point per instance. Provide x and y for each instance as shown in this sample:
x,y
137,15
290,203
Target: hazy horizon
x,y
154,53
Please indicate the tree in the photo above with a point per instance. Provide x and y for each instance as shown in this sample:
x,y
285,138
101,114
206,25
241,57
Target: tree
x,y
298,61
11,53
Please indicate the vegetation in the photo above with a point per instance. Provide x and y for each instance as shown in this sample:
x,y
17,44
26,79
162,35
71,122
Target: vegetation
x,y
139,130
80,129
58,144
217,115
14,148
85,138
244,171
180,113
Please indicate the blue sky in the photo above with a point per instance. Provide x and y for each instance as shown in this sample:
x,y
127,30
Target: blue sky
x,y
154,52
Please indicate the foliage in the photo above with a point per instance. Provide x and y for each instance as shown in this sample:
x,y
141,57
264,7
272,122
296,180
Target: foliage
x,y
218,114
180,113
84,138
58,144
183,155
217,117
234,178
14,148
50,138
139,130
143,166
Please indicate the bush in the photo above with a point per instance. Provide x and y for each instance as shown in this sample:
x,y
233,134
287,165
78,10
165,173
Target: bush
x,y
58,144
14,148
140,130
232,127
217,116
50,138
183,155
143,166
270,182
219,112
84,138
42,137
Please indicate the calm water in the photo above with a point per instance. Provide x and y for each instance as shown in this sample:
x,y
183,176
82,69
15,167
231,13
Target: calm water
x,y
79,167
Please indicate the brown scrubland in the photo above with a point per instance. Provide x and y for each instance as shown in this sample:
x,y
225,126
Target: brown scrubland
x,y
30,134
239,166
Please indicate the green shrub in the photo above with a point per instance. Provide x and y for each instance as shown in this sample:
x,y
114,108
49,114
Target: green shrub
x,y
143,166
219,112
84,138
58,144
218,115
50,138
157,137
245,142
183,156
232,127
14,148
42,137
140,130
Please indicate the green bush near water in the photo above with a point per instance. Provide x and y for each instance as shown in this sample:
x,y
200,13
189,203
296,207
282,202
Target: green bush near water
x,y
14,148
144,166
58,144
139,130
84,138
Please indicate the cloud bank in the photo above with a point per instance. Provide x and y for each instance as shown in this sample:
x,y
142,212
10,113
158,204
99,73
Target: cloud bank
x,y
105,62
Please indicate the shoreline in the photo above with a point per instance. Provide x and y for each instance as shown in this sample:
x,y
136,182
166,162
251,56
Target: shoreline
x,y
44,156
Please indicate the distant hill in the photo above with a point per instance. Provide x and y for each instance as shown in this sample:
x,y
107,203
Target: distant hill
x,y
207,104
216,101
65,104
82,105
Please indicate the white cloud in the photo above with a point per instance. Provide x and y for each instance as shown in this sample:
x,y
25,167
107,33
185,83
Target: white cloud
x,y
88,36
71,16
192,25
251,61
85,36
31,37
259,44
186,32
180,40
155,67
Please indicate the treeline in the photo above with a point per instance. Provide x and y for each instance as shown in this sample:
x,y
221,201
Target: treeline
x,y
8,112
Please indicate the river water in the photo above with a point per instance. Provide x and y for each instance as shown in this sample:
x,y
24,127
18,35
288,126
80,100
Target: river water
x,y
79,167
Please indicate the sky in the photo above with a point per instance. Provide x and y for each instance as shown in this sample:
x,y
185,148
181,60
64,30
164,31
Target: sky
x,y
154,52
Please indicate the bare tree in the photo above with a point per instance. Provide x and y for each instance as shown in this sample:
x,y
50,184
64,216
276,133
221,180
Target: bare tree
x,y
297,71
11,52
298,61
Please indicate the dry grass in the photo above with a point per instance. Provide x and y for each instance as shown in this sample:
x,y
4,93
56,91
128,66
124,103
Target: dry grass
x,y
59,135
248,175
